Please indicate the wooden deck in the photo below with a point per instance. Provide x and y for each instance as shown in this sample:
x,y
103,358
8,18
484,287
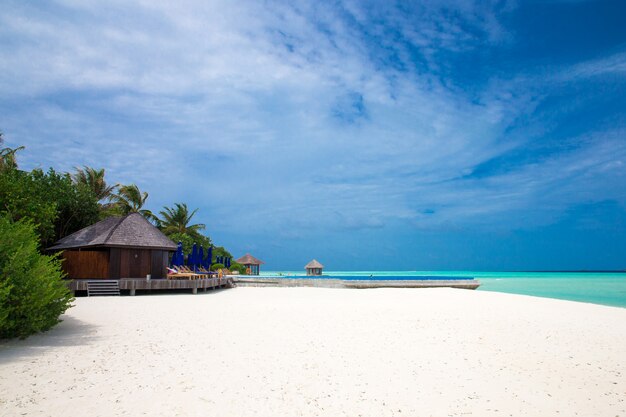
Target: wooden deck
x,y
134,284
248,281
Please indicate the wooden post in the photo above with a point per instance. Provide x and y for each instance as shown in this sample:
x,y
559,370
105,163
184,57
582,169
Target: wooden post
x,y
132,291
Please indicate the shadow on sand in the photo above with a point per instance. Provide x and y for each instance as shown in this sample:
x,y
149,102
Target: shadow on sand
x,y
70,332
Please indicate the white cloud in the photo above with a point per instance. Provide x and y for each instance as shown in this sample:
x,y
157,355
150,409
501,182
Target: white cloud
x,y
236,107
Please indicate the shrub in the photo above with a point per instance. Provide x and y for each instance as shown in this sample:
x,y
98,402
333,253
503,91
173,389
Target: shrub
x,y
32,293
216,266
234,266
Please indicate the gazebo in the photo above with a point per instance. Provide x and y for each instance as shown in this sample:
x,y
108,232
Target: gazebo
x,y
115,248
251,263
314,268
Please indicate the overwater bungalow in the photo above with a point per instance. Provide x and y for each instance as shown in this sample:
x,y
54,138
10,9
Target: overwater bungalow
x,y
251,263
128,253
314,268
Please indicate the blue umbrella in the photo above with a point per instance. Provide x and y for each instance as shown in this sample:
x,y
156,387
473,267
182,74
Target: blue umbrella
x,y
192,260
209,257
177,258
228,262
200,258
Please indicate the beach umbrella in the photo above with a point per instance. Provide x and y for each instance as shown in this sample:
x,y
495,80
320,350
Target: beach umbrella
x,y
200,258
177,258
209,257
228,259
193,256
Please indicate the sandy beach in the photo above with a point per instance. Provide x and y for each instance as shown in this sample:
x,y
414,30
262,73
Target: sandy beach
x,y
326,352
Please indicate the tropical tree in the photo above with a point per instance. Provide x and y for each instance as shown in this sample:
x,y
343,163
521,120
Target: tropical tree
x,y
94,179
129,199
51,200
7,156
176,220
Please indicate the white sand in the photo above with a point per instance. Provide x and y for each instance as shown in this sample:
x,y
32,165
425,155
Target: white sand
x,y
330,352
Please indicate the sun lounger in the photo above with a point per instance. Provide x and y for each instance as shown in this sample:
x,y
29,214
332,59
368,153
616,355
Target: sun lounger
x,y
177,274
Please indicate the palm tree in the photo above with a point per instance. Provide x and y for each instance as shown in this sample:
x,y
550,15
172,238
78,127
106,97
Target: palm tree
x,y
176,220
94,179
130,200
7,156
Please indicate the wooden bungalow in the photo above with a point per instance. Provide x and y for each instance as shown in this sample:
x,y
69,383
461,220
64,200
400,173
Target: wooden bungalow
x,y
251,263
314,268
116,248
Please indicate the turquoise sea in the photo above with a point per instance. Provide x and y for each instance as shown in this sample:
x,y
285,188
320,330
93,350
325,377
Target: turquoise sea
x,y
608,288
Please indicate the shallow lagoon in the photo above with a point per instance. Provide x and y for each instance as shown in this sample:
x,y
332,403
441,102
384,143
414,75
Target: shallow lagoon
x,y
608,288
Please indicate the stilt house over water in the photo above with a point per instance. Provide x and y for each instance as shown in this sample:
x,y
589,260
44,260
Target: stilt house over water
x,y
314,268
251,263
114,248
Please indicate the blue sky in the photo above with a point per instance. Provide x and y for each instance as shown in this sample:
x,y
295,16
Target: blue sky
x,y
369,135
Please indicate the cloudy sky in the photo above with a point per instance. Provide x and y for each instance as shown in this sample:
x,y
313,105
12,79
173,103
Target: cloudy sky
x,y
366,134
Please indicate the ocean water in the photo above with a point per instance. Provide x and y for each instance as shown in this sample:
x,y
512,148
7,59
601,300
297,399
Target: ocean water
x,y
608,288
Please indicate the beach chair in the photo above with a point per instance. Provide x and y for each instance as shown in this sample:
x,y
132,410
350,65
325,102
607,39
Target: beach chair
x,y
203,270
173,273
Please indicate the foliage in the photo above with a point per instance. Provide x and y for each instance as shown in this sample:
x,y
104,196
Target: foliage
x,y
221,251
20,197
32,293
76,205
56,206
176,220
188,241
94,180
234,266
129,199
216,266
7,157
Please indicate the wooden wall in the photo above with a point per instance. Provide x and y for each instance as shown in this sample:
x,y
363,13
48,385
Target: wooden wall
x,y
160,260
115,263
137,263
86,264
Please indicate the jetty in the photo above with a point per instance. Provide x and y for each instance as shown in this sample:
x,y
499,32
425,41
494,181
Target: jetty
x,y
249,281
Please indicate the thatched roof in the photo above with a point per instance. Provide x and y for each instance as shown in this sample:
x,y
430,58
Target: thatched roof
x,y
313,264
132,230
248,259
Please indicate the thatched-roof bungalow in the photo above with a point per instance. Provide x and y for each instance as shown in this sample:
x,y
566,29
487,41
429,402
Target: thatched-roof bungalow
x,y
251,263
314,268
114,248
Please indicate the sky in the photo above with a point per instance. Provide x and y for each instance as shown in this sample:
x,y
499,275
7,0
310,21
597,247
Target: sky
x,y
370,135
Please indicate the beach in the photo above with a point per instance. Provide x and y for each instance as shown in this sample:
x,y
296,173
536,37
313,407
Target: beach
x,y
322,352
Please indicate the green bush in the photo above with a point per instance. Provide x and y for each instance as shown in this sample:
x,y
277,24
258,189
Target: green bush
x,y
217,266
234,266
32,293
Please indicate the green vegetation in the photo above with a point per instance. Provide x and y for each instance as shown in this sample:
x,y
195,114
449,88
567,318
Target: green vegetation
x,y
32,293
130,200
94,180
175,220
51,200
234,266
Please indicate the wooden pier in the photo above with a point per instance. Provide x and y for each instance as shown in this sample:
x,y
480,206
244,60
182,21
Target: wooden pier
x,y
247,281
133,284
